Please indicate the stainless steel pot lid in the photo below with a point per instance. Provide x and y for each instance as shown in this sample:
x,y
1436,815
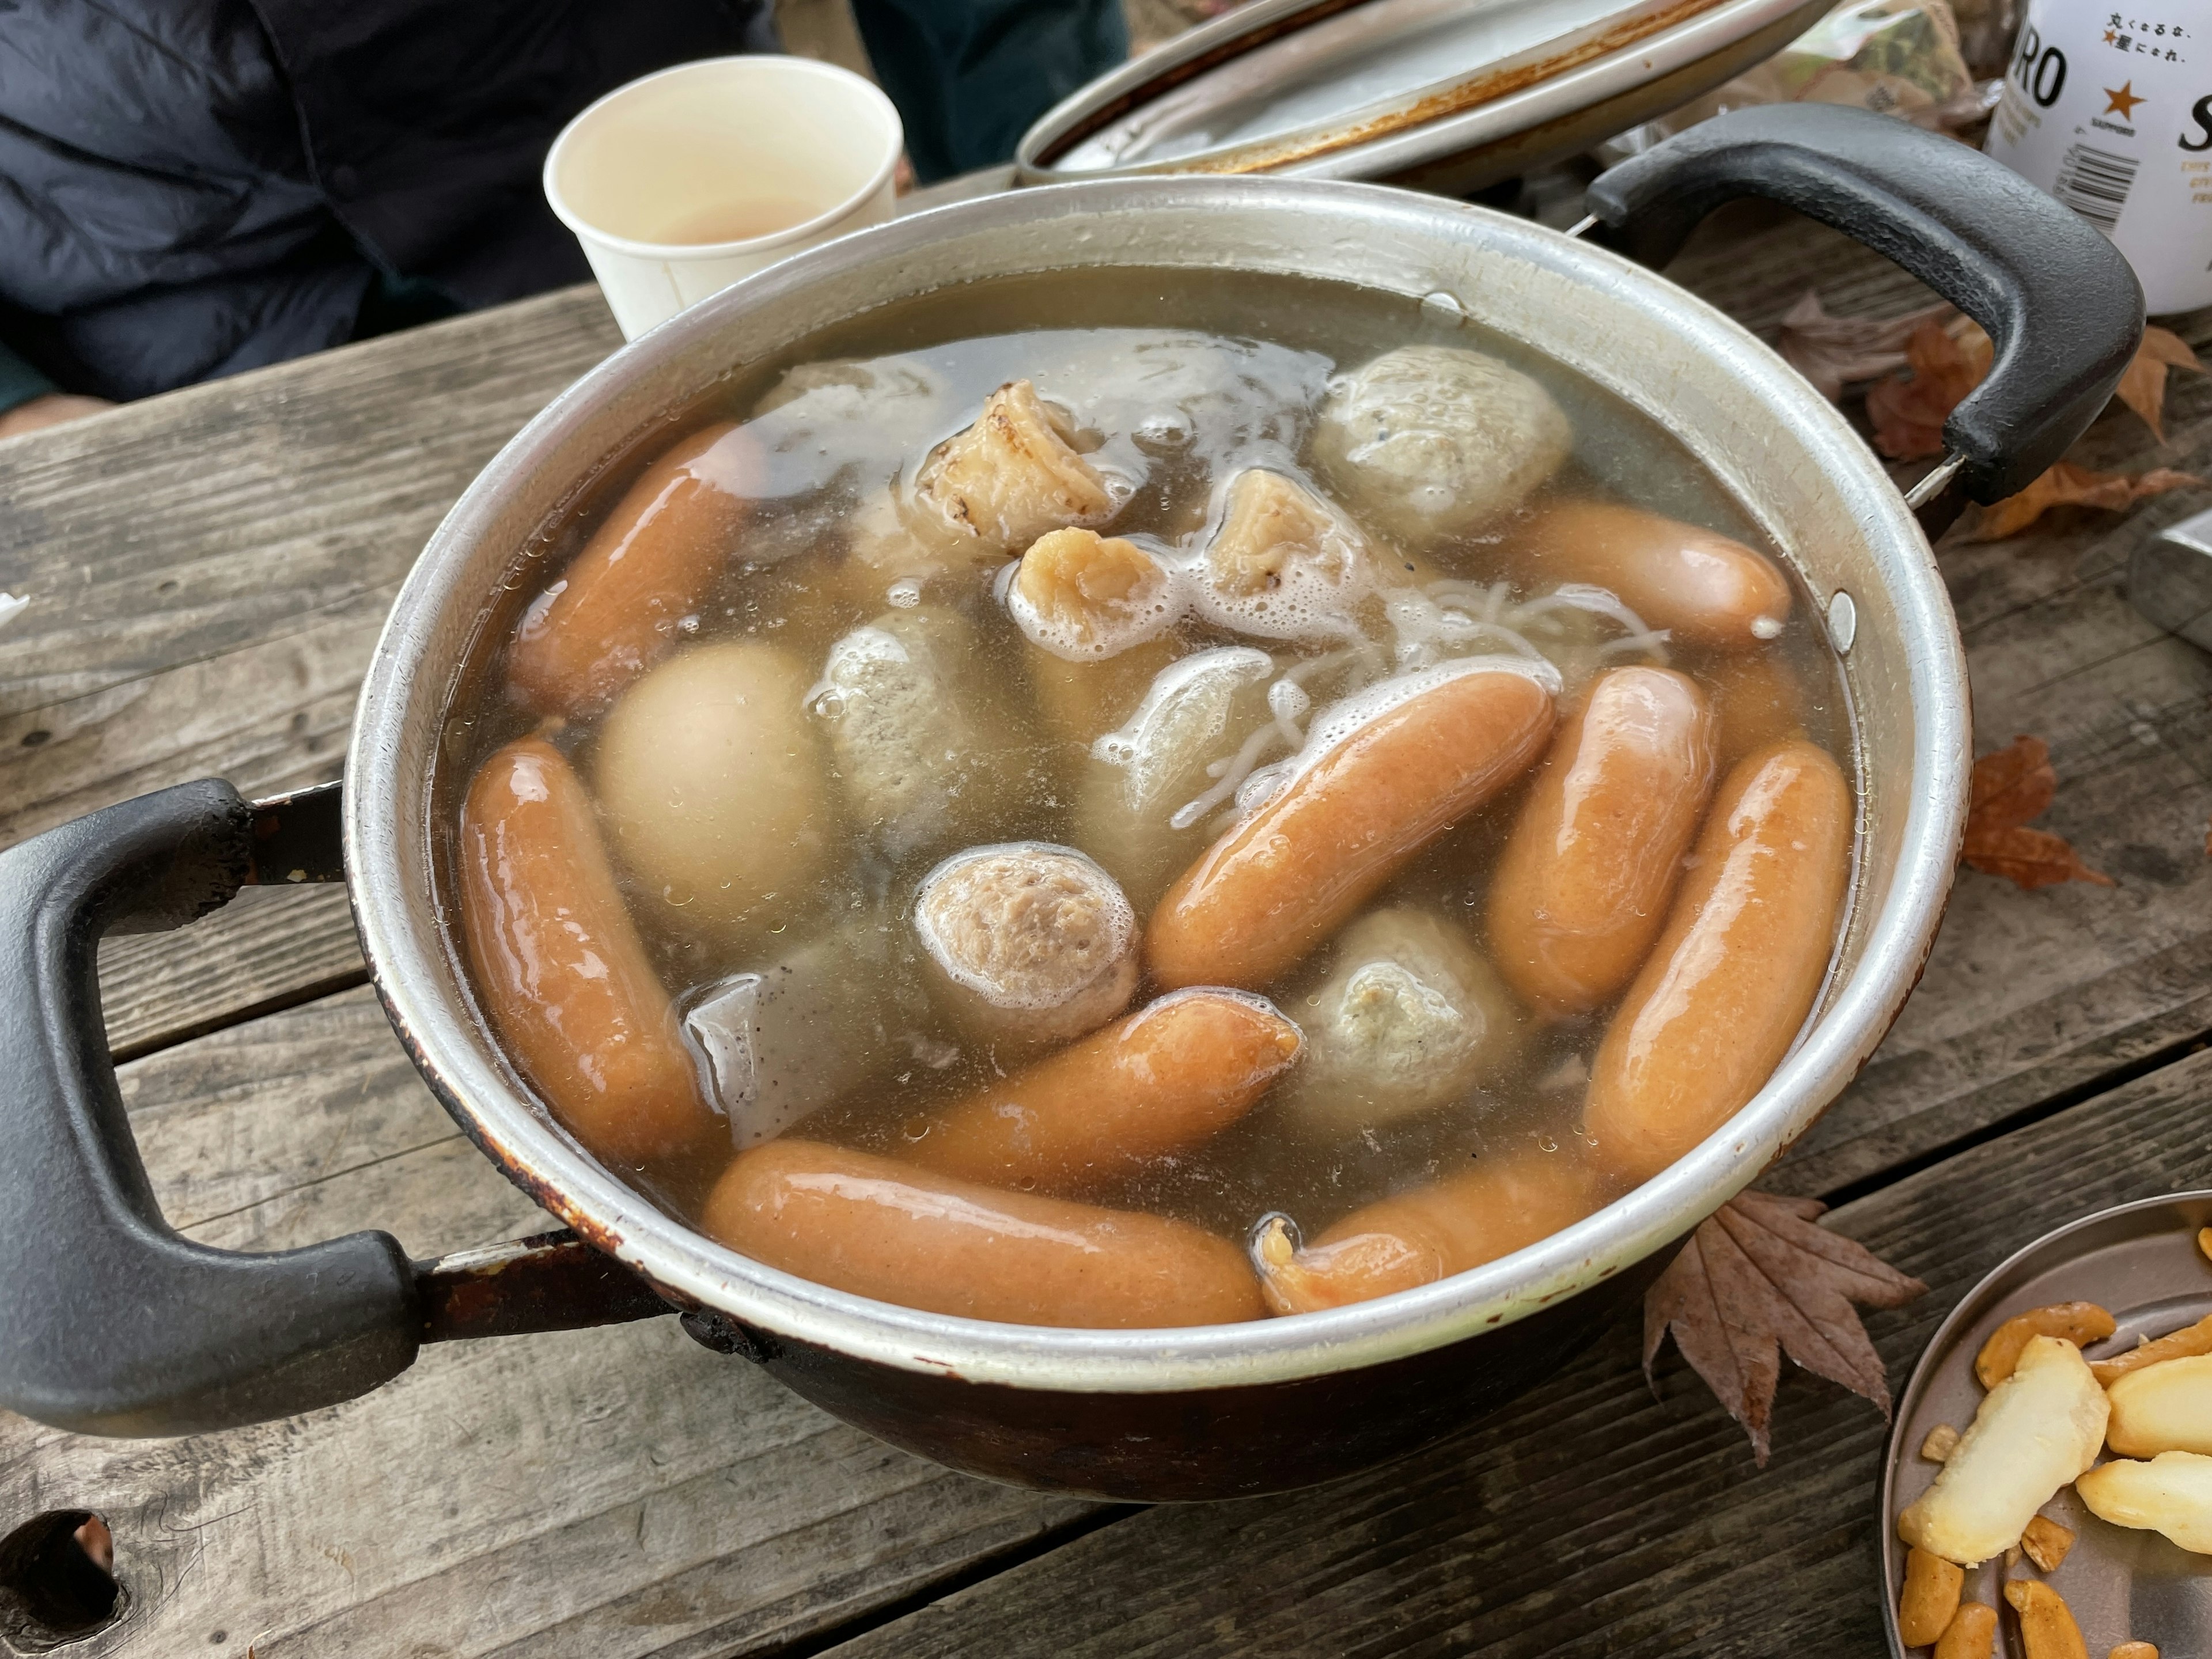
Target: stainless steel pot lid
x,y
1445,94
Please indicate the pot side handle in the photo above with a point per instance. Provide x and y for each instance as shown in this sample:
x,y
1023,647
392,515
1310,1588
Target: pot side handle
x,y
111,1322
2060,302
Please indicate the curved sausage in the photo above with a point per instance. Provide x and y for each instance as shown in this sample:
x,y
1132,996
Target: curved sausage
x,y
858,1222
1722,995
1581,889
1706,589
1407,769
559,965
1165,1077
1502,1205
613,612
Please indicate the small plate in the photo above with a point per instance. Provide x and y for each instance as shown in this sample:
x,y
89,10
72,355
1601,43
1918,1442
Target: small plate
x,y
2140,1262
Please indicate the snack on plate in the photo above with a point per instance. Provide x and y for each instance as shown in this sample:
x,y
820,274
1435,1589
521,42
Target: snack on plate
x,y
2172,1493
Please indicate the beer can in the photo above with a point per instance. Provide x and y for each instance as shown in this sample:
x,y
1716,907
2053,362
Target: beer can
x,y
2111,112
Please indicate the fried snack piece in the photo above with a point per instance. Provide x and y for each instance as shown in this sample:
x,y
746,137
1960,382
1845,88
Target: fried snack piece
x,y
614,610
1169,1076
1581,889
1196,710
922,756
1026,942
2047,1629
1506,1202
2184,1344
2204,1241
714,784
2172,1493
1012,476
1430,441
1723,993
2134,1650
1972,1633
2036,1430
2163,1407
1704,588
1410,1018
1283,564
559,966
877,1228
1381,777
1930,1600
1942,1440
2046,1542
2078,1322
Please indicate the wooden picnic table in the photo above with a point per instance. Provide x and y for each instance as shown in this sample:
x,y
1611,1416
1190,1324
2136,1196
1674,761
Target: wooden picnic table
x,y
207,572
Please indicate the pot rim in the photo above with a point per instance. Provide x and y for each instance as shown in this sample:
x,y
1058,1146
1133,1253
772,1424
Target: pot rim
x,y
410,957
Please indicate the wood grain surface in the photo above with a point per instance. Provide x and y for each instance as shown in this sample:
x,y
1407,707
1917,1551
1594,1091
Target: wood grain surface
x,y
208,573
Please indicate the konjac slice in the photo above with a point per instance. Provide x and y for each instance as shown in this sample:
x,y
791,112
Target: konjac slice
x,y
559,965
1503,1203
1381,776
1169,1076
614,612
1581,889
877,1228
1723,993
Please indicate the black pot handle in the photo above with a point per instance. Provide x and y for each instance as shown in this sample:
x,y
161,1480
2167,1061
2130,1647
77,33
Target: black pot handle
x,y
110,1322
2060,303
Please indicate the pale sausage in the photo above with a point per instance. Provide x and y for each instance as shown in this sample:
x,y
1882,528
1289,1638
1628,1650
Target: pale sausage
x,y
1704,587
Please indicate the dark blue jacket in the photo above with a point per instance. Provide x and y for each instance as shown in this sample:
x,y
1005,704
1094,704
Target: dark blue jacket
x,y
188,190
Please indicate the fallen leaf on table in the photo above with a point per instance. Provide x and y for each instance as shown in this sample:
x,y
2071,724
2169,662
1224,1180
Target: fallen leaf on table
x,y
2011,786
1759,1279
2142,388
1832,351
2068,485
1908,414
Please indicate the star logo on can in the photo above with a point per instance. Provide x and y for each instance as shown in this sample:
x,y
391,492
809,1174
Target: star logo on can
x,y
2124,100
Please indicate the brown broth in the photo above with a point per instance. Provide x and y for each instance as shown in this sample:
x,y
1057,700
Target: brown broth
x,y
1175,380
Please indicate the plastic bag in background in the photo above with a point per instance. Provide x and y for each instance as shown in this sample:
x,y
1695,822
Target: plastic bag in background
x,y
1898,57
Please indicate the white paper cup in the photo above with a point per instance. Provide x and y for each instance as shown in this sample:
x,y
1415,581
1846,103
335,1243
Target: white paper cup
x,y
770,155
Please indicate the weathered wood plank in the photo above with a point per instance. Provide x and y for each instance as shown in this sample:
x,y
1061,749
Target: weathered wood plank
x,y
1589,1518
614,1492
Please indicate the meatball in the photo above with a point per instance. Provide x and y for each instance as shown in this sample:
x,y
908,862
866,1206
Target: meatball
x,y
1410,1018
1028,941
1431,440
919,754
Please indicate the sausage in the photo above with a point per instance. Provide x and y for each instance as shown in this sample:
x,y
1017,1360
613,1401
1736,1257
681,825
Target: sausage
x,y
1503,1203
613,612
1390,770
1706,588
1165,1077
1027,942
713,779
559,968
1581,887
863,1223
1756,700
1724,993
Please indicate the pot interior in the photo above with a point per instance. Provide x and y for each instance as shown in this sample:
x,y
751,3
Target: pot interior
x,y
1791,468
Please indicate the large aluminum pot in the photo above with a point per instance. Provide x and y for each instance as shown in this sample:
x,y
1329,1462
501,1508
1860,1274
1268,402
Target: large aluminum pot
x,y
1151,1414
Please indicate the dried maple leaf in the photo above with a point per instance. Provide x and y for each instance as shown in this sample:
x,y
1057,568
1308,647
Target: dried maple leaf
x,y
2011,786
2065,484
1946,364
1759,1279
1831,351
2142,388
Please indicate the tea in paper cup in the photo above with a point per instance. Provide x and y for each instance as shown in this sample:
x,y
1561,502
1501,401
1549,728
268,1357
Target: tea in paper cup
x,y
682,183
